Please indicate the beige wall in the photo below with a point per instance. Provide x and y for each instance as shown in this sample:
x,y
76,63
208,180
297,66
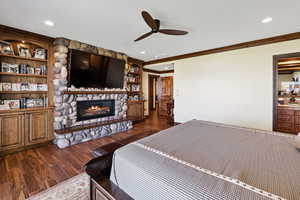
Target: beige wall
x,y
145,88
233,87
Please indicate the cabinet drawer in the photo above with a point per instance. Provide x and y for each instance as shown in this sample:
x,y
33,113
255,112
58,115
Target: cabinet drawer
x,y
297,129
286,118
297,112
285,112
297,120
285,126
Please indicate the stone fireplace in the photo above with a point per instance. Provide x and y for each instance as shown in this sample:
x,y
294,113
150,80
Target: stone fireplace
x,y
82,114
92,109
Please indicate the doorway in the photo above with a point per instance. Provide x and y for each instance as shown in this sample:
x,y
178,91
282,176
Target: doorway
x,y
152,93
165,96
286,93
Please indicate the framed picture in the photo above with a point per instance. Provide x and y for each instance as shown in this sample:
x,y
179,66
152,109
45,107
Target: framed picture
x,y
42,87
24,86
39,102
16,86
32,86
5,67
40,53
14,68
30,69
13,104
24,51
37,71
6,48
6,86
30,103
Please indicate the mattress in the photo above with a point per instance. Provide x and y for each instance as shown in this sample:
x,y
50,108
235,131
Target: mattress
x,y
205,160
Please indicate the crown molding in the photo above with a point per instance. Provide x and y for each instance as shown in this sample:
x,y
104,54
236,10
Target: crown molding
x,y
254,43
158,72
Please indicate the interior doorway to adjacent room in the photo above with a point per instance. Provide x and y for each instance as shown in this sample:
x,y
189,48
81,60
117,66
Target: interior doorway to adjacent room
x,y
152,91
286,93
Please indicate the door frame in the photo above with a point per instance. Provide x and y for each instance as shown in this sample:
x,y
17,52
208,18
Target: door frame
x,y
150,83
276,58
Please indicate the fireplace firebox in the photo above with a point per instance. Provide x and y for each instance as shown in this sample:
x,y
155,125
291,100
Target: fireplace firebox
x,y
95,109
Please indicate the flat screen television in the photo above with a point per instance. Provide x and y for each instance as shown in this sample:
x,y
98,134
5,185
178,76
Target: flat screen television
x,y
95,71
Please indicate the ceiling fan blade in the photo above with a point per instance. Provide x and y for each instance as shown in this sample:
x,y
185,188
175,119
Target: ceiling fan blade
x,y
149,20
172,32
144,36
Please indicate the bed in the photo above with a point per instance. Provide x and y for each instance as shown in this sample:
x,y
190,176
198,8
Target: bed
x,y
205,160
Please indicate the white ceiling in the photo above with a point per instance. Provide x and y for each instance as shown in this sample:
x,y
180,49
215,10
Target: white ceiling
x,y
115,24
161,67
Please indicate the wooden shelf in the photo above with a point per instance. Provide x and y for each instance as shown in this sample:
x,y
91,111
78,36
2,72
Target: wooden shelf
x,y
23,58
133,92
23,92
136,101
22,75
95,92
137,82
88,126
134,73
26,109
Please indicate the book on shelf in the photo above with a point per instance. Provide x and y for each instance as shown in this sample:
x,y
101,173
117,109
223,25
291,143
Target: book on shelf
x,y
23,69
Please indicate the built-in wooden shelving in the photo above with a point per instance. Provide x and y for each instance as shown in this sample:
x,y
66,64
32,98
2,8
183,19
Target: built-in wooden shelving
x,y
29,120
22,75
23,58
134,73
136,82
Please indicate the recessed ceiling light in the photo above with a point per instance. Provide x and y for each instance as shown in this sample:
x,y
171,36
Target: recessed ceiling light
x,y
142,52
49,23
266,20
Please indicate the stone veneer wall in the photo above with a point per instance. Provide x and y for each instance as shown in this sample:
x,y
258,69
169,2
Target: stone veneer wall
x,y
65,104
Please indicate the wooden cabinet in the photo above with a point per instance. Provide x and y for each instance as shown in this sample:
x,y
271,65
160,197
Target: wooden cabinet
x,y
134,87
135,110
11,131
37,127
288,120
24,125
21,130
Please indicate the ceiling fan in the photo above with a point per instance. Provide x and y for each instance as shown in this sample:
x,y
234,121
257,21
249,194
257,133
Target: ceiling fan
x,y
154,24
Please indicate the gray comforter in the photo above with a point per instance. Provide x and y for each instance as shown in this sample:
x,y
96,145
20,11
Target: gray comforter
x,y
204,160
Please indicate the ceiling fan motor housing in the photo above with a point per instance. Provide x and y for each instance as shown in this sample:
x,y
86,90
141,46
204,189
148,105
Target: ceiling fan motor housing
x,y
155,30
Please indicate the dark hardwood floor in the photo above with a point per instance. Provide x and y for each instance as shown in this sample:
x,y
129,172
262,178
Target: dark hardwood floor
x,y
29,172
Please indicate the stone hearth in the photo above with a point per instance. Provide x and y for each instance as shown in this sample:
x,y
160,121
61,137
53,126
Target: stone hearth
x,y
65,112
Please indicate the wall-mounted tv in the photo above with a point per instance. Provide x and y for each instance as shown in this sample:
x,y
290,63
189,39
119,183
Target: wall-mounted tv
x,y
95,71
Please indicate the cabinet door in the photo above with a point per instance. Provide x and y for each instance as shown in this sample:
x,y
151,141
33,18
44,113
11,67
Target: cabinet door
x,y
11,131
165,95
37,127
135,110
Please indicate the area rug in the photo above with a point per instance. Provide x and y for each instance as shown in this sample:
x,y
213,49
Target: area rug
x,y
75,188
